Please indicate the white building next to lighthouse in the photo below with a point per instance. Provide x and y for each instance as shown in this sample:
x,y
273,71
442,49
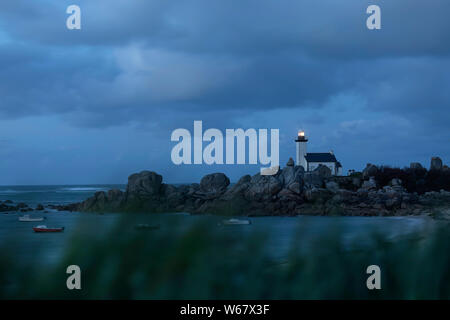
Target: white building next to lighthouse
x,y
310,161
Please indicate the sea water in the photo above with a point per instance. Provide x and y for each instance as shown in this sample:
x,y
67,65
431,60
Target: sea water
x,y
281,232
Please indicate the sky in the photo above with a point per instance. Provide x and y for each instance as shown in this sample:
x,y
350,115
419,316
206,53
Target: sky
x,y
95,105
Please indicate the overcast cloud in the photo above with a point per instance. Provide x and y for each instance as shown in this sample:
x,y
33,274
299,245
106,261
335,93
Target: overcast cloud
x,y
95,105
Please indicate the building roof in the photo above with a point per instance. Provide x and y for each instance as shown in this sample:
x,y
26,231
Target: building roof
x,y
320,157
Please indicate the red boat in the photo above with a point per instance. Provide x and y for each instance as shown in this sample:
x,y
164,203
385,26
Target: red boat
x,y
46,229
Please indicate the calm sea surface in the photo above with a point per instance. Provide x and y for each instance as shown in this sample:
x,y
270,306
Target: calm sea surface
x,y
281,231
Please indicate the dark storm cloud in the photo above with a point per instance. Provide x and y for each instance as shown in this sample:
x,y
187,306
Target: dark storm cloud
x,y
42,80
417,88
158,65
216,54
326,27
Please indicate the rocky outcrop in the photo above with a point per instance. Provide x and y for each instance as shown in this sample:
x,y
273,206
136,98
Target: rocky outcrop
x,y
369,171
316,178
291,191
144,185
370,184
436,163
147,193
213,186
8,206
290,163
415,165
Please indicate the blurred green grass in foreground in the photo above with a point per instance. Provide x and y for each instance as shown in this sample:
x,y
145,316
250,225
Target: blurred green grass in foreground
x,y
203,263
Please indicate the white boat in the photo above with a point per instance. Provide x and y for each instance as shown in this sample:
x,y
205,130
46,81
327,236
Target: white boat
x,y
232,222
27,218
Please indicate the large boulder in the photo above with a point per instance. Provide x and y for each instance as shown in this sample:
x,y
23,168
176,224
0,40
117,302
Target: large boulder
x,y
239,188
290,175
175,196
369,171
115,195
214,183
263,188
290,163
232,202
145,184
115,198
415,165
370,184
316,178
96,203
212,186
436,163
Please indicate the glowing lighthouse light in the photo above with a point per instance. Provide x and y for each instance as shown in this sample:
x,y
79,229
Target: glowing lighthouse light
x,y
301,149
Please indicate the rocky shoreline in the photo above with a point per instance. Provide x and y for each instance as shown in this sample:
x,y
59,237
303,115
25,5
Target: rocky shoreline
x,y
8,206
292,191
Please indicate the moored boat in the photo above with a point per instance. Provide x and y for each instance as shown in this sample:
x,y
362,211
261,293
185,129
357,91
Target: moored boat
x,y
28,218
47,229
231,222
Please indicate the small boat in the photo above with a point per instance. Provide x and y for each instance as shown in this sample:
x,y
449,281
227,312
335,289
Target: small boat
x,y
233,222
27,218
47,229
143,226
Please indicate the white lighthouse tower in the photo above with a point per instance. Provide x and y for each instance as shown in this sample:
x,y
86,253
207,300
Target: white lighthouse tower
x,y
301,150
